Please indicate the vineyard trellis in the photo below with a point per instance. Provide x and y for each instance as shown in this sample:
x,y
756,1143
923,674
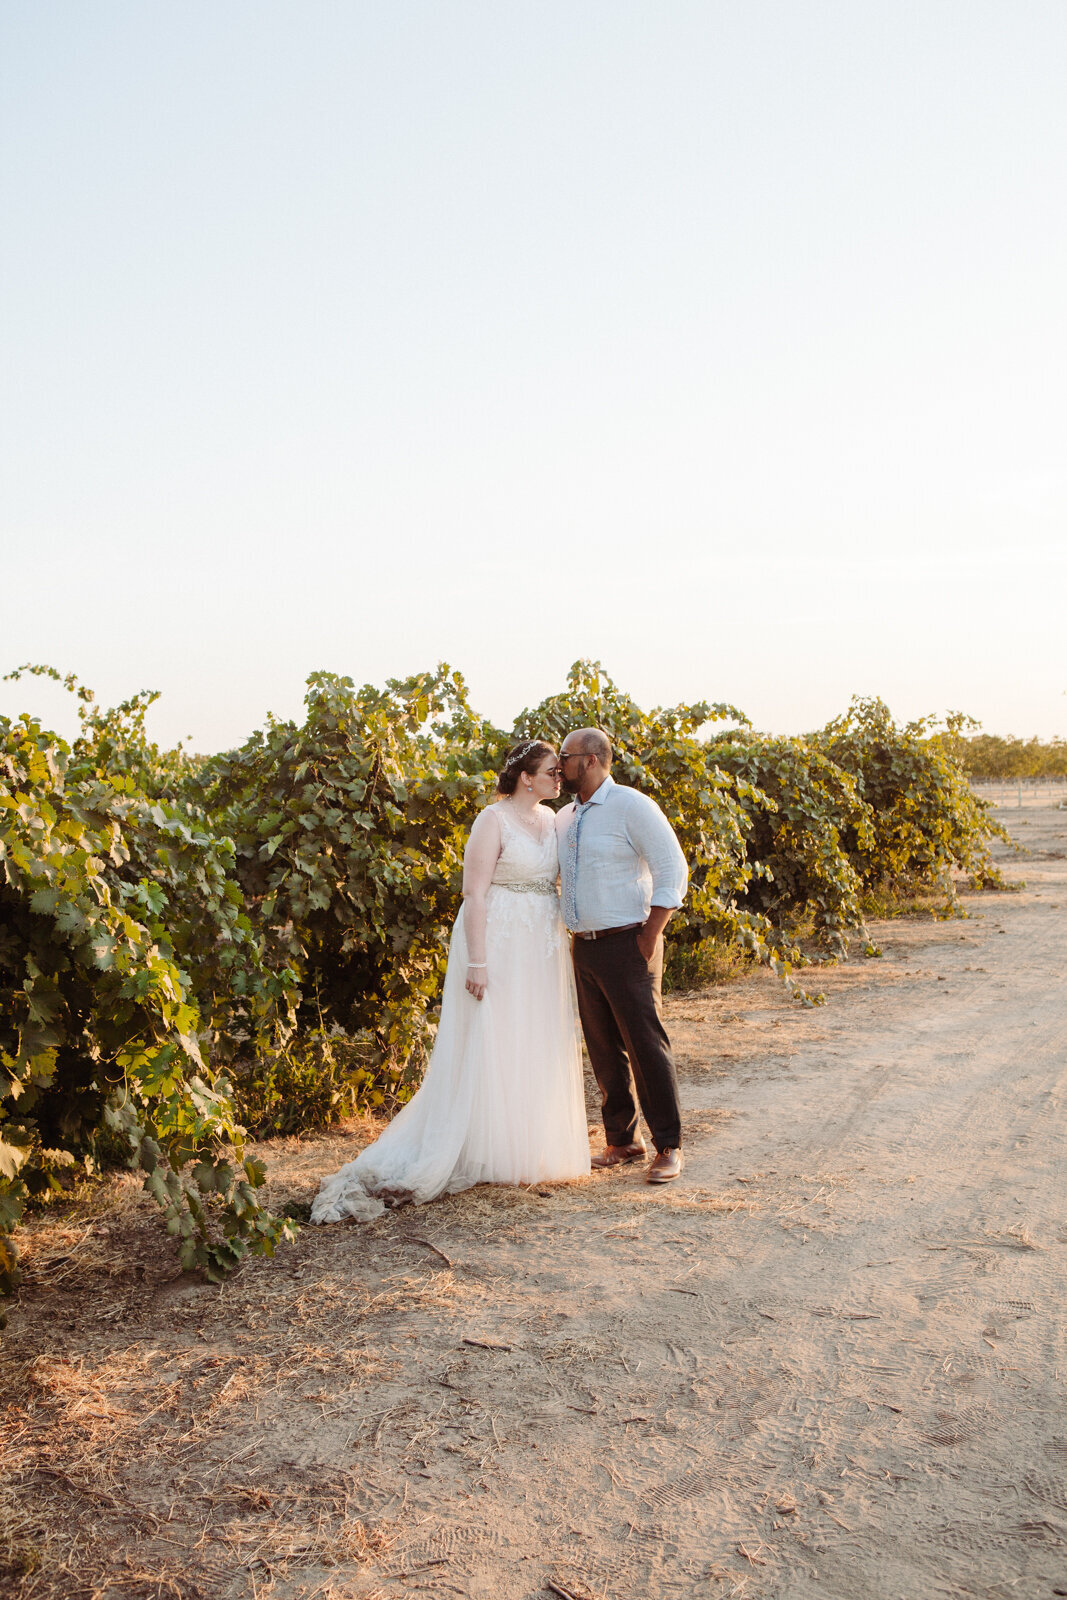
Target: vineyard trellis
x,y
1019,792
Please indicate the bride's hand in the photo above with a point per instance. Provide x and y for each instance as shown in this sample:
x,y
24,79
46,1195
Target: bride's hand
x,y
476,982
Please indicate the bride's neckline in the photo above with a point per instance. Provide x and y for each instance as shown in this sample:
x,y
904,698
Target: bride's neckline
x,y
535,827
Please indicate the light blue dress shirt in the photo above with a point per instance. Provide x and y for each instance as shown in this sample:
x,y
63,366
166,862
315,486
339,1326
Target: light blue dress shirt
x,y
618,857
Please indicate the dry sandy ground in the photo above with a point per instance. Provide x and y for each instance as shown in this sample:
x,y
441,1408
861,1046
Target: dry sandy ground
x,y
828,1363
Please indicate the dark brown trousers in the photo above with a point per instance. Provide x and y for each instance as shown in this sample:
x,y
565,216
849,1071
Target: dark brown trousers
x,y
618,1001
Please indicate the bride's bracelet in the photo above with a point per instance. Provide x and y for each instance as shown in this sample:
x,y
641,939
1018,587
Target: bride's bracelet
x,y
477,963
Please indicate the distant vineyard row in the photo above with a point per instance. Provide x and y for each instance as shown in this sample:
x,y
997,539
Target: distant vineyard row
x,y
987,755
193,946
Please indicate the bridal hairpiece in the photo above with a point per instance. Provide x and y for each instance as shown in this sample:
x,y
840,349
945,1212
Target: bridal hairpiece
x,y
520,752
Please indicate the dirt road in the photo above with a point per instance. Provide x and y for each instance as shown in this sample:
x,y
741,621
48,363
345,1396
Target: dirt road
x,y
829,1364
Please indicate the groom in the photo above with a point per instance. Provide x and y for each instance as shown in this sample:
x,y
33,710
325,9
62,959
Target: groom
x,y
623,873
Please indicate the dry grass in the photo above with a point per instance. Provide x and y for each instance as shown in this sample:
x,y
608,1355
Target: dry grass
x,y
139,1401
131,1437
87,1443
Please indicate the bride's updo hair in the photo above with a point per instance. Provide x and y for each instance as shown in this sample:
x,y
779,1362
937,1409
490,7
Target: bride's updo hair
x,y
526,756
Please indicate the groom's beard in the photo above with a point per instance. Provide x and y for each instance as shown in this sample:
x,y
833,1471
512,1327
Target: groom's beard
x,y
569,785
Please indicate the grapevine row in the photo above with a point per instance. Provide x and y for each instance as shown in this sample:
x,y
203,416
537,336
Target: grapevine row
x,y
181,938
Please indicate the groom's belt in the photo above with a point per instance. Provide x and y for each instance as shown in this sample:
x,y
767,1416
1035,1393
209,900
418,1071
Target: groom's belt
x,y
606,933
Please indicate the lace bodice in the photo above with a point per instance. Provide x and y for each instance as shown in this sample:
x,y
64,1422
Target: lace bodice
x,y
523,858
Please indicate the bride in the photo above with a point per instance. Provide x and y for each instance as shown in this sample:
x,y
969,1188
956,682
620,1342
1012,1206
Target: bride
x,y
502,1098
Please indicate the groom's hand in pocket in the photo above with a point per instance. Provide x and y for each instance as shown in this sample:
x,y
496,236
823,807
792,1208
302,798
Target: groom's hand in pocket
x,y
648,936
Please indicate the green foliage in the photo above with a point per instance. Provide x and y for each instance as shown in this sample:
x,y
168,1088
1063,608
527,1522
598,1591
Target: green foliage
x,y
887,901
988,755
100,1031
187,945
662,752
701,966
314,1079
115,741
349,833
926,820
798,804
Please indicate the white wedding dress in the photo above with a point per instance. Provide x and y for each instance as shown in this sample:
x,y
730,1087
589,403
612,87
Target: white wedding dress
x,y
502,1099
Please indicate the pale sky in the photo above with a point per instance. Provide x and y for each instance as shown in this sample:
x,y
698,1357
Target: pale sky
x,y
724,342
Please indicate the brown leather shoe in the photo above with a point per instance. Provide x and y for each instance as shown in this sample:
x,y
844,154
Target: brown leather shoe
x,y
615,1154
667,1165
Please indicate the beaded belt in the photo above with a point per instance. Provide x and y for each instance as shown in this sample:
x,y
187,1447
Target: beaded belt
x,y
531,886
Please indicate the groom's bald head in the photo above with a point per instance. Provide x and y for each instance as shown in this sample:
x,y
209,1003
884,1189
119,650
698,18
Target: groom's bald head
x,y
589,742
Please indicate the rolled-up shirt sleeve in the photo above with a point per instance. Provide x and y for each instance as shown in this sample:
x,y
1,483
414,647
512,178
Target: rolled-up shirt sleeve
x,y
656,843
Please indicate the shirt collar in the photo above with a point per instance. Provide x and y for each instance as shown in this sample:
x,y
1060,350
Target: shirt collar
x,y
599,794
